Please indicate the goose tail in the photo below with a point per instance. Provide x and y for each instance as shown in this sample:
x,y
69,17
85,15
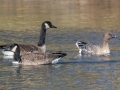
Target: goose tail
x,y
60,53
59,56
3,46
80,44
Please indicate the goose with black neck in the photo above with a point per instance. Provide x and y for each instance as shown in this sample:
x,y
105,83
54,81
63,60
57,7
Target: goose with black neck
x,y
35,58
26,48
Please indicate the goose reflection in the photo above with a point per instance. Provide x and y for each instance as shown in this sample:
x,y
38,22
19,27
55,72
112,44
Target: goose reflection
x,y
93,58
19,69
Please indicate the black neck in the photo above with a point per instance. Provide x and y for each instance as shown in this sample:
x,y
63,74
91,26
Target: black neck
x,y
41,41
17,55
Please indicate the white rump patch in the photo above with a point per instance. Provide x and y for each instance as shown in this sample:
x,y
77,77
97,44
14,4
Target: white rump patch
x,y
56,60
8,53
8,57
14,49
15,62
47,26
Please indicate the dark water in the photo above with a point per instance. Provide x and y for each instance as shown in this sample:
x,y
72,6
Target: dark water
x,y
20,21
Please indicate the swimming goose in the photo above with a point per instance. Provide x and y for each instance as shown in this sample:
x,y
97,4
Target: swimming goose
x,y
35,58
89,48
41,48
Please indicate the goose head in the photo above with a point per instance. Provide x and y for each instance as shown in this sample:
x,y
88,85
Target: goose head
x,y
47,25
13,47
107,36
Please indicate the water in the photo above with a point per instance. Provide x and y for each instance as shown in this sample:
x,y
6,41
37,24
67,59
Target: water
x,y
20,22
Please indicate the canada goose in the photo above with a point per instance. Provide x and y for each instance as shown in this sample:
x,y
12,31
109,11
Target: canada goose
x,y
41,48
35,58
89,48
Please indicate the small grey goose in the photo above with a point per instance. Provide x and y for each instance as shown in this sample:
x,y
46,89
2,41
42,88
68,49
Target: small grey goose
x,y
24,48
89,48
35,58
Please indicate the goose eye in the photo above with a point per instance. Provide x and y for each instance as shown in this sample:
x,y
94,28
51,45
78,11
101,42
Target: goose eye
x,y
110,34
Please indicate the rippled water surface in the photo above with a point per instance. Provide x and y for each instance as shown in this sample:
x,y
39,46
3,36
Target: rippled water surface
x,y
20,21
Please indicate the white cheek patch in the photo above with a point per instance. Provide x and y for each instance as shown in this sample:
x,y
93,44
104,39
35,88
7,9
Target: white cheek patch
x,y
14,49
47,26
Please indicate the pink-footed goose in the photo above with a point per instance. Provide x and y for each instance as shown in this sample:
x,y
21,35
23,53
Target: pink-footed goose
x,y
34,58
26,48
89,48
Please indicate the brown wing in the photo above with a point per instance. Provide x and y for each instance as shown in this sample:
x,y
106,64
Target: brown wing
x,y
24,48
27,49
